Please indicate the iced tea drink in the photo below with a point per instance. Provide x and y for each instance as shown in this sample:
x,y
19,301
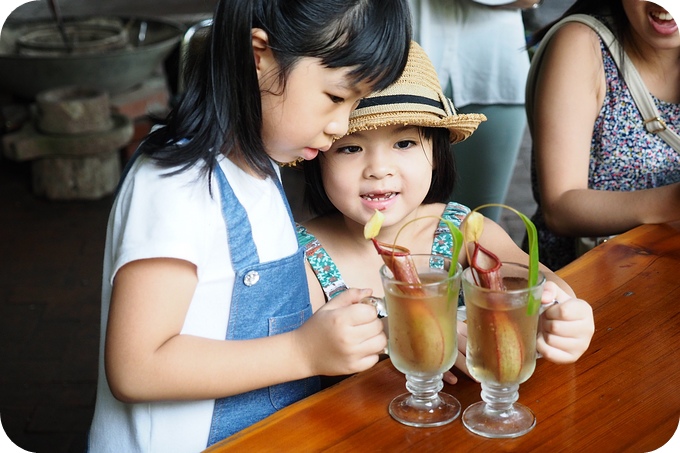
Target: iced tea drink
x,y
501,344
422,318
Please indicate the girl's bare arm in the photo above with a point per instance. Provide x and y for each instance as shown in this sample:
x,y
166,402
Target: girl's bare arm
x,y
147,359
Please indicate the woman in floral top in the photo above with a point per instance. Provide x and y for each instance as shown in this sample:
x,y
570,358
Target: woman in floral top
x,y
597,170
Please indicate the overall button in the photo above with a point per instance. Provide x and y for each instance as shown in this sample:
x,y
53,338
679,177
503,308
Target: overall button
x,y
251,278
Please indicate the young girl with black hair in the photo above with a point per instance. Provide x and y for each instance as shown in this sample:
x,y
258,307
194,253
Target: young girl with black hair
x,y
207,325
396,159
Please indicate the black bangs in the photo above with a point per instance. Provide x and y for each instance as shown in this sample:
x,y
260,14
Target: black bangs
x,y
372,38
376,44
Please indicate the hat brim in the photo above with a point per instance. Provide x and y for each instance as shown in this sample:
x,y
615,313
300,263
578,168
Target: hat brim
x,y
460,126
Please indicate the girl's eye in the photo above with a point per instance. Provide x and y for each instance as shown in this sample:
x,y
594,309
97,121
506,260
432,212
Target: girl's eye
x,y
349,149
404,144
336,99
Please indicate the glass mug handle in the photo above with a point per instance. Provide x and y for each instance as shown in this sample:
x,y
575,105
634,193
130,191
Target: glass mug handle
x,y
542,310
544,307
379,304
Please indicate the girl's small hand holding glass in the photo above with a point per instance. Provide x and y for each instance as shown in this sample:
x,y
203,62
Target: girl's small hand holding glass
x,y
342,337
565,329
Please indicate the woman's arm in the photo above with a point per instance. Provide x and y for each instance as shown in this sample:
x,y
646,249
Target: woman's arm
x,y
148,359
569,94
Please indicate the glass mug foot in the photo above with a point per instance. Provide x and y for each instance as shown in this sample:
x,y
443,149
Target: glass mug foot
x,y
514,422
499,415
425,405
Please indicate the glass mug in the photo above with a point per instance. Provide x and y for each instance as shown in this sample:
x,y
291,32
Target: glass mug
x,y
422,338
501,350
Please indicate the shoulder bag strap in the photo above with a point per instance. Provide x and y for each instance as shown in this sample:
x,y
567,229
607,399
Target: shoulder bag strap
x,y
643,99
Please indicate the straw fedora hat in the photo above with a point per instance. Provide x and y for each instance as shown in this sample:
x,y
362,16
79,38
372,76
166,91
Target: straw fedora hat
x,y
415,99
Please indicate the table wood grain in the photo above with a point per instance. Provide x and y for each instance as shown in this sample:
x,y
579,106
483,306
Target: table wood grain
x,y
622,395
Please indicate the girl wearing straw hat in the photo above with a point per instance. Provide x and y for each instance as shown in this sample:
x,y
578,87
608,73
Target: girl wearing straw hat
x,y
396,159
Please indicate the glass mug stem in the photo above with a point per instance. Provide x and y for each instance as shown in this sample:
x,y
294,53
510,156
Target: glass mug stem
x,y
500,399
499,415
425,391
425,405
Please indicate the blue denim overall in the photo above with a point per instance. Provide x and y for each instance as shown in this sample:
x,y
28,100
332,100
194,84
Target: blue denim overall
x,y
268,299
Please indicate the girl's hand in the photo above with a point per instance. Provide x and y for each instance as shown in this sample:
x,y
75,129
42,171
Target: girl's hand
x,y
565,329
343,336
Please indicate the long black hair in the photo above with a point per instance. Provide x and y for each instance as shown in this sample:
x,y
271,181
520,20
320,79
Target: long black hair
x,y
611,10
441,186
220,110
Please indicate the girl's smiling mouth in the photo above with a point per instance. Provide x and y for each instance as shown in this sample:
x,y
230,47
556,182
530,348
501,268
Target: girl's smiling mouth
x,y
379,200
379,196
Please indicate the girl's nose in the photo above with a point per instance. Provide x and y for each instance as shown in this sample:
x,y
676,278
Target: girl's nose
x,y
378,164
337,128
339,124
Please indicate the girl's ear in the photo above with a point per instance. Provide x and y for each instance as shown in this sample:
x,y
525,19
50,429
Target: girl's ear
x,y
262,52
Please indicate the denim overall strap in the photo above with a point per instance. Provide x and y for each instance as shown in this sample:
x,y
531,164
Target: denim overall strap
x,y
268,299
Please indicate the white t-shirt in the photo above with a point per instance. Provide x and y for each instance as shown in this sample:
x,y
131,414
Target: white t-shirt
x,y
480,51
155,216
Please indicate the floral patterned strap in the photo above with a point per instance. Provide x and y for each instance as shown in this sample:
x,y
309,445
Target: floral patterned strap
x,y
443,240
328,273
323,266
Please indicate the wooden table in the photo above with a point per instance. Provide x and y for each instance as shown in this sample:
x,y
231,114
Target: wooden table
x,y
622,395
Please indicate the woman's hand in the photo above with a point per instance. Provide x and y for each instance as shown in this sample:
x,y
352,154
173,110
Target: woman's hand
x,y
564,329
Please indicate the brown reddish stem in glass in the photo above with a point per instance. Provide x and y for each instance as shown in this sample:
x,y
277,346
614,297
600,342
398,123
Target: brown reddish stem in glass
x,y
508,354
487,268
426,338
398,260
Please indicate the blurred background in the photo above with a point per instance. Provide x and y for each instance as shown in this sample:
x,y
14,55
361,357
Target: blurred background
x,y
57,175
